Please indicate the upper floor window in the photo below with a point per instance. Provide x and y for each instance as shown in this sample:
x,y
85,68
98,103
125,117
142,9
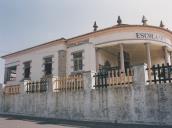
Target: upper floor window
x,y
27,69
11,73
77,61
48,65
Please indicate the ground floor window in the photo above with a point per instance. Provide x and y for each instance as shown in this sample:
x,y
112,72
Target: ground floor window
x,y
77,61
27,69
11,73
48,66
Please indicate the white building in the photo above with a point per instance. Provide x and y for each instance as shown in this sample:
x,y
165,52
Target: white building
x,y
121,45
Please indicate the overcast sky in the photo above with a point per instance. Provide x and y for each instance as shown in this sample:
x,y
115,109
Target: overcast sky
x,y
25,23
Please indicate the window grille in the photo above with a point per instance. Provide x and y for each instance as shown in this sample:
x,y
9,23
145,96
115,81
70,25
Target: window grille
x,y
27,69
48,66
159,74
11,73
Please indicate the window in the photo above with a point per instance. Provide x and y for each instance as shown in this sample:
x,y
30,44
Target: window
x,y
11,73
27,69
77,61
48,66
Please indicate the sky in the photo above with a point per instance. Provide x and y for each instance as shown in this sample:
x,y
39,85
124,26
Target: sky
x,y
26,23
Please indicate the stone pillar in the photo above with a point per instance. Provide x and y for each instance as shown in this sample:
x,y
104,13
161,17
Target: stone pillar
x,y
148,55
140,74
122,58
50,82
61,63
139,92
149,63
88,80
166,55
23,87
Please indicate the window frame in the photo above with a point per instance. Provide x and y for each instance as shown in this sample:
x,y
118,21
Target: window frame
x,y
77,61
9,69
26,67
50,63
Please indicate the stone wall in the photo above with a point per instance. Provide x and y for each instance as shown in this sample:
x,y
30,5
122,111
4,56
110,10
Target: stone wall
x,y
138,103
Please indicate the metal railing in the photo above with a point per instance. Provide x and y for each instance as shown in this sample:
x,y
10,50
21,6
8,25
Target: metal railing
x,y
160,74
113,77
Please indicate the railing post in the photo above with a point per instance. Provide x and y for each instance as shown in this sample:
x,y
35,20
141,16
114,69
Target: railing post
x,y
140,74
24,87
50,82
88,80
139,91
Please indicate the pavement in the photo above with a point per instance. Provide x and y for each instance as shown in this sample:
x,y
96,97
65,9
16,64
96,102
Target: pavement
x,y
16,121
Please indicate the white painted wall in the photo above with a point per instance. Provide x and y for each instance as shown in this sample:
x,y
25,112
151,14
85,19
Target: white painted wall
x,y
90,61
129,36
89,57
37,62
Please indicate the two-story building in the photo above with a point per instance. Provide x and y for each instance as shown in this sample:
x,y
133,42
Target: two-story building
x,y
119,46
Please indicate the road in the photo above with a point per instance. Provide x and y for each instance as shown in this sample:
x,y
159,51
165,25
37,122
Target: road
x,y
11,121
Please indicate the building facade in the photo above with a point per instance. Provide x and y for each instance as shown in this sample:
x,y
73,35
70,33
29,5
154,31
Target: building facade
x,y
120,46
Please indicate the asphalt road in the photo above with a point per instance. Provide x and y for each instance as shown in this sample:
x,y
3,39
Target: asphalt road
x,y
11,121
